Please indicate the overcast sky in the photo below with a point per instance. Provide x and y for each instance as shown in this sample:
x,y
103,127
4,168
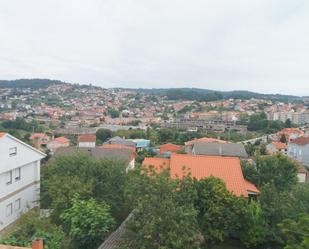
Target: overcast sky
x,y
260,45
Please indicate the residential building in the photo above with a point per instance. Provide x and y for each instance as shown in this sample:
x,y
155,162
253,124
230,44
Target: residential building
x,y
276,147
169,148
298,149
100,153
289,134
217,149
87,141
39,140
57,143
19,178
227,169
302,174
120,141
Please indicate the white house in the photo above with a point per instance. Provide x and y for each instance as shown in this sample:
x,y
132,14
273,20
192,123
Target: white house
x,y
19,178
298,149
87,141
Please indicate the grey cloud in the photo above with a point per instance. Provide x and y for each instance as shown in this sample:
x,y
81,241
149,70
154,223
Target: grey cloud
x,y
259,45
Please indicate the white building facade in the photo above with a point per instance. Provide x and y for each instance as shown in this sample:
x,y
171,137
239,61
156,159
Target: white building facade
x,y
19,178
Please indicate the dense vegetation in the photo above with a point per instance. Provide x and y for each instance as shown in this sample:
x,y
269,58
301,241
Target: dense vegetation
x,y
28,83
85,198
197,92
89,198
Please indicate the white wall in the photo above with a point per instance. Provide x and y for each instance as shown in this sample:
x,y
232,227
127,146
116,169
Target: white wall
x,y
28,174
24,154
302,177
86,144
27,188
28,199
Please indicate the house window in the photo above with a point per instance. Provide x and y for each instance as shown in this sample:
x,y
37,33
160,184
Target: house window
x,y
9,210
13,151
17,174
9,178
17,204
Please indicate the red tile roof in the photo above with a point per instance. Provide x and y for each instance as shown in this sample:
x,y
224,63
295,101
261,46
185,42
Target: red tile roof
x,y
87,138
62,140
2,134
301,141
169,148
227,169
38,135
280,146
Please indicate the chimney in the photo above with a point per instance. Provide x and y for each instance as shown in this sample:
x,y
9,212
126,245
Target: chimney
x,y
37,244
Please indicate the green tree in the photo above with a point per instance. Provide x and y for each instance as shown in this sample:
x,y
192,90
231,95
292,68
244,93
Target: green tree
x,y
88,222
296,232
161,217
283,139
277,170
252,229
288,123
30,226
113,113
216,210
103,135
103,180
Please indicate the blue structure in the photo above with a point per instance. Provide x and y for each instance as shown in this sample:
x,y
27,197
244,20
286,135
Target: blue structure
x,y
141,143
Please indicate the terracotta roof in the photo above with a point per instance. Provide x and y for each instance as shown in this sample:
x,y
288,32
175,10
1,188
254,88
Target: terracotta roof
x,y
280,146
292,130
157,163
206,140
169,148
63,140
227,169
87,138
2,134
301,141
38,135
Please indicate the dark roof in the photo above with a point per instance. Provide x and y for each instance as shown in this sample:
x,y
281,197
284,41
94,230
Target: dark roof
x,y
98,152
301,141
219,149
121,141
115,240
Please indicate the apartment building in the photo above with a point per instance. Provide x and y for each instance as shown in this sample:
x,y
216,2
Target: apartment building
x,y
19,178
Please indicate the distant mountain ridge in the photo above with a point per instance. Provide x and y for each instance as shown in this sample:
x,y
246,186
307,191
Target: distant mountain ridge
x,y
29,83
194,94
211,95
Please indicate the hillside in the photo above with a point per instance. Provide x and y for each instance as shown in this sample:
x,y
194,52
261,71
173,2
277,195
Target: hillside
x,y
199,94
28,83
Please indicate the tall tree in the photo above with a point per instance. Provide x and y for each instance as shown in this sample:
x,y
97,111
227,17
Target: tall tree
x,y
88,222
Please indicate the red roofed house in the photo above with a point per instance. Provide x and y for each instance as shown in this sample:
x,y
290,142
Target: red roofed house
x,y
57,143
290,134
276,147
87,141
227,169
39,140
169,148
